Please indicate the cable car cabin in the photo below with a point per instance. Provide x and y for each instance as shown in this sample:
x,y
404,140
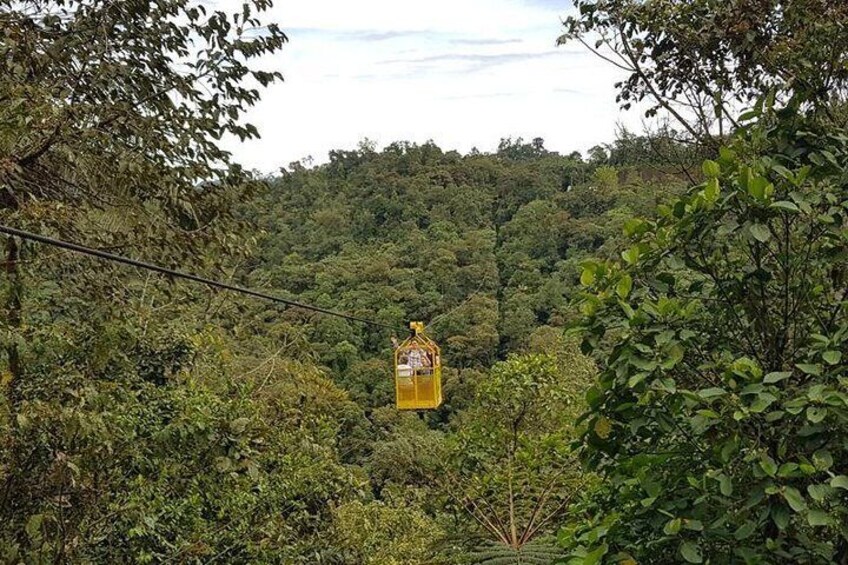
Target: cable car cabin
x,y
418,372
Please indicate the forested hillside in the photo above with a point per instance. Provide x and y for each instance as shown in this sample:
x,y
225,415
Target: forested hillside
x,y
644,347
486,248
287,416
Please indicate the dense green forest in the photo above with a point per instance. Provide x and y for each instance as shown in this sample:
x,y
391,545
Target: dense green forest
x,y
644,346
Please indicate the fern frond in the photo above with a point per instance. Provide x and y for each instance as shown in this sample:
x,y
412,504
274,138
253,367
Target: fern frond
x,y
534,553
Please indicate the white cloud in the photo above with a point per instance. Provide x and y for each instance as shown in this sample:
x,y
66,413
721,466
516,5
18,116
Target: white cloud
x,y
461,72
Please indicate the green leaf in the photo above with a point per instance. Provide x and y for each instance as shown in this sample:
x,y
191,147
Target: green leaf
x,y
625,285
787,470
693,525
760,188
795,499
786,206
816,414
691,552
772,378
634,226
784,172
631,256
33,526
594,397
725,485
810,369
711,169
819,518
763,401
594,556
672,527
712,191
822,459
839,481
711,392
832,357
744,531
819,492
587,277
780,515
760,232
768,465
240,424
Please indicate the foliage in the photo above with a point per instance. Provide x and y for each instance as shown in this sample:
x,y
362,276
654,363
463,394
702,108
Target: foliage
x,y
105,102
487,247
511,467
378,534
117,461
720,415
147,420
533,553
702,61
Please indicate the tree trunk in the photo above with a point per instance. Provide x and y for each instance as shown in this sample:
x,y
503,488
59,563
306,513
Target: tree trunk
x,y
13,321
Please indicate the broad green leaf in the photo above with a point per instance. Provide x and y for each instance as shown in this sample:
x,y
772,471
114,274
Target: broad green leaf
x,y
780,515
839,481
631,256
587,277
672,527
795,499
816,414
759,187
787,470
760,232
823,460
819,492
33,526
693,525
595,556
768,465
762,402
810,369
786,206
711,392
691,552
711,169
832,357
637,379
725,485
784,172
744,531
594,397
819,518
625,284
772,378
712,191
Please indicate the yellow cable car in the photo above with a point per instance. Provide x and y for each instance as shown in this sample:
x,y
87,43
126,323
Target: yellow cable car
x,y
418,371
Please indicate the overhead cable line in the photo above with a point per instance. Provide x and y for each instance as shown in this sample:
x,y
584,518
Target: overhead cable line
x,y
178,274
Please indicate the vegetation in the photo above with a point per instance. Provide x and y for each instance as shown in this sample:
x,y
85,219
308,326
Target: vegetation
x,y
645,348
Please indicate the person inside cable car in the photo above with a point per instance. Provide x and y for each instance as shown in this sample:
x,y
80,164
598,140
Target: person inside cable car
x,y
418,358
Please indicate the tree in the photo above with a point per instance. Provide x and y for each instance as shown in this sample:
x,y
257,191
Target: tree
x,y
112,115
702,62
720,415
512,470
376,533
111,101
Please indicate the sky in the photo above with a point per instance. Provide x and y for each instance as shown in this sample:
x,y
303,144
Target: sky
x,y
463,73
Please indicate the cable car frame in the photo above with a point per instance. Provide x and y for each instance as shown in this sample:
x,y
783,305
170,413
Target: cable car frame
x,y
418,371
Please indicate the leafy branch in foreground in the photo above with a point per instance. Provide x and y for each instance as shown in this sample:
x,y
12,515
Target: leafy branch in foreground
x,y
721,412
